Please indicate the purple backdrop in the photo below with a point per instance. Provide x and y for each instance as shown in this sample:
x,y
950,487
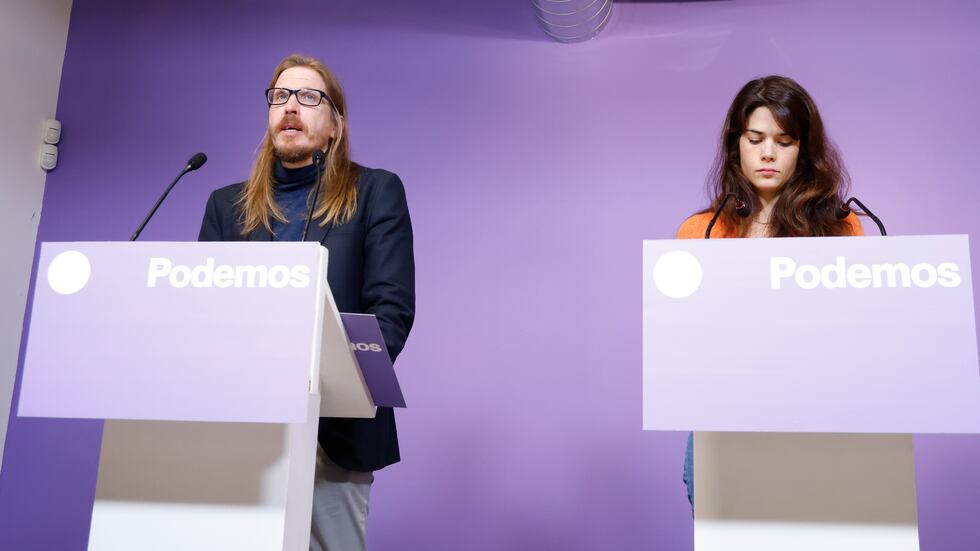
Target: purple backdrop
x,y
533,171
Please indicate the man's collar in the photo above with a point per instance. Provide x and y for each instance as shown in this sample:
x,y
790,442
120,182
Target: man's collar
x,y
282,174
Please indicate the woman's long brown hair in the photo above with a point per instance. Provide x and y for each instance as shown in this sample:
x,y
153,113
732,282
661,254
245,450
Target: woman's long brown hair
x,y
338,195
809,199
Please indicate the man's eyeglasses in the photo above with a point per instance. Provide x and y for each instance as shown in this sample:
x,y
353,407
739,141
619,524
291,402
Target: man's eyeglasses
x,y
309,97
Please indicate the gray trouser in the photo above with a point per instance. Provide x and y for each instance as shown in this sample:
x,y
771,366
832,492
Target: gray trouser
x,y
340,507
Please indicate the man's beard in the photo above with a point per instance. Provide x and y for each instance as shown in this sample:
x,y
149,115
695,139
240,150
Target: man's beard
x,y
292,154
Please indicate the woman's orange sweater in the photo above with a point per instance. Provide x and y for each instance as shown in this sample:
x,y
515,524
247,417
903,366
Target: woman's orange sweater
x,y
695,226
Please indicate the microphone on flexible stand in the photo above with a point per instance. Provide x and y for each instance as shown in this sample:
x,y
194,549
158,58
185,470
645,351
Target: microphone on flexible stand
x,y
318,159
196,162
845,210
741,207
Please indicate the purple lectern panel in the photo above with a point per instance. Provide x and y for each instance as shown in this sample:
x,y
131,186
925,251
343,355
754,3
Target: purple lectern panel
x,y
369,347
864,334
172,331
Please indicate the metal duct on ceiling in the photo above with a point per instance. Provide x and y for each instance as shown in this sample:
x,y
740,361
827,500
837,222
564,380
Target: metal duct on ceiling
x,y
572,20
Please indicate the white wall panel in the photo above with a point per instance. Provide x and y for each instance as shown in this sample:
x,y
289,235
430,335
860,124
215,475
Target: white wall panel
x,y
33,34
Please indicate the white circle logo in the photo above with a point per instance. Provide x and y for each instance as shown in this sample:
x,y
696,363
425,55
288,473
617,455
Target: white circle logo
x,y
677,274
69,272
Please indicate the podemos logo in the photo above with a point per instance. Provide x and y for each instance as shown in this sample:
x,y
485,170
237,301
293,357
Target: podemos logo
x,y
678,274
840,275
209,275
69,272
365,347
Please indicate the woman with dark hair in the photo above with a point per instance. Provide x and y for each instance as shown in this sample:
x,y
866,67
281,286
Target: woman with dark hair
x,y
776,160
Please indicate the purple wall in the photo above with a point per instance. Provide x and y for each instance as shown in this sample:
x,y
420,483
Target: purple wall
x,y
533,171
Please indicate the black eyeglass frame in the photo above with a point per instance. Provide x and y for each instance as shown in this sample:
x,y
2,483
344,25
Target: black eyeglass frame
x,y
323,96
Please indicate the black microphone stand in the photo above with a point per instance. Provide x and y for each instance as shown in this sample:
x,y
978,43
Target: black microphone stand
x,y
196,162
318,158
845,209
741,207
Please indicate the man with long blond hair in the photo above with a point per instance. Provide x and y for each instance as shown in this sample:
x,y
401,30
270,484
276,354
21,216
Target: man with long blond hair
x,y
361,215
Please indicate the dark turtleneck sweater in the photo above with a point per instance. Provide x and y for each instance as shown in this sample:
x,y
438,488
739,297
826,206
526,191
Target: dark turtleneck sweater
x,y
292,189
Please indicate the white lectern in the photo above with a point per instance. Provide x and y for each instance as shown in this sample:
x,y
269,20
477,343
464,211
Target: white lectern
x,y
212,363
805,364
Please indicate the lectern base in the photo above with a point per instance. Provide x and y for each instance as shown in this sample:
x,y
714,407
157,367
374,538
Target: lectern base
x,y
205,486
778,491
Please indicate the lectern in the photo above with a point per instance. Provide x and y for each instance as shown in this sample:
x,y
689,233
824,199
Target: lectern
x,y
805,365
212,363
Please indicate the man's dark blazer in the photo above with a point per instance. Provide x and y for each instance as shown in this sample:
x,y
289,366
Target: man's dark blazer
x,y
370,269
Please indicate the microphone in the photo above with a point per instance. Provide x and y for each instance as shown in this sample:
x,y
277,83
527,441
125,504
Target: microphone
x,y
318,159
195,162
741,207
845,210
